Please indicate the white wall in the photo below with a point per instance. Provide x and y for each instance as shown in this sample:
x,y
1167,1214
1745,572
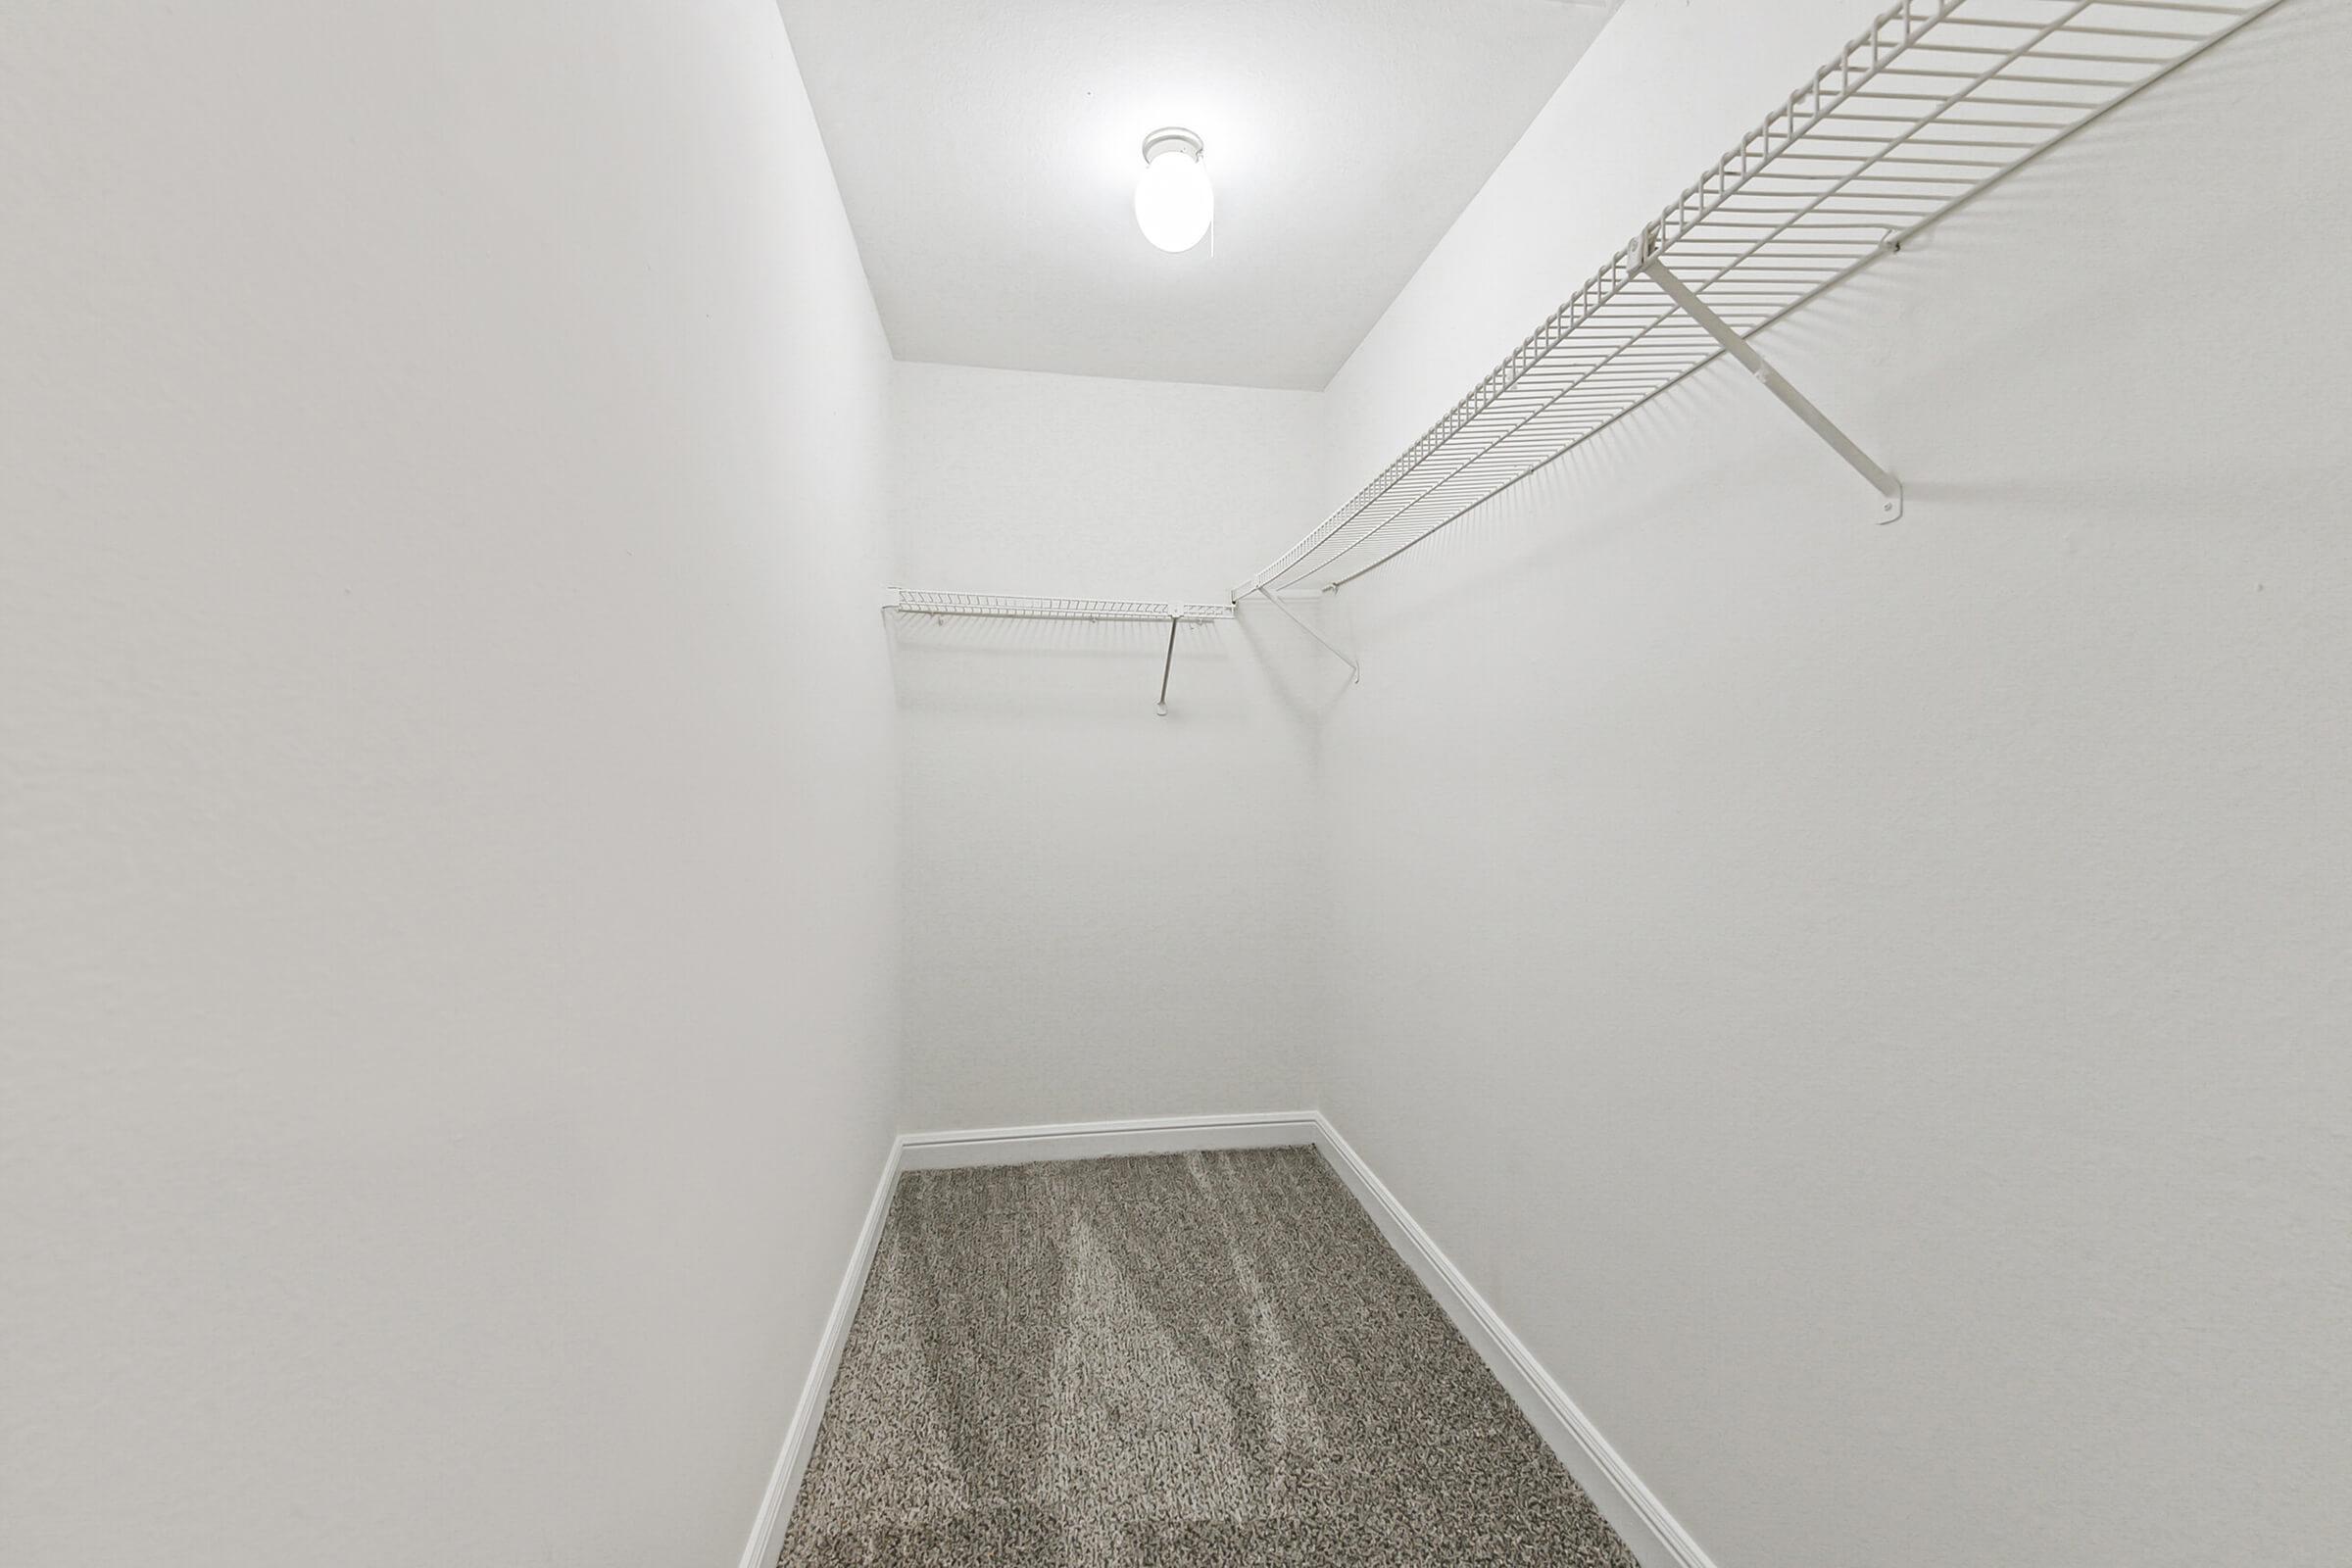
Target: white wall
x,y
1868,1005
1108,913
445,778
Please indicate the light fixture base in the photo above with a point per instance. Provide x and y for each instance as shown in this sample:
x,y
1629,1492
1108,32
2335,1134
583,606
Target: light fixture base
x,y
1170,139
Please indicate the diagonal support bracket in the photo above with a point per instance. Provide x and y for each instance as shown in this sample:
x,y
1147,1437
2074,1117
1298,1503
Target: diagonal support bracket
x,y
1329,647
1889,488
1167,665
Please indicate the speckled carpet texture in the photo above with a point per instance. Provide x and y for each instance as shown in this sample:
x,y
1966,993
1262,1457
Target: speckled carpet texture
x,y
1209,1359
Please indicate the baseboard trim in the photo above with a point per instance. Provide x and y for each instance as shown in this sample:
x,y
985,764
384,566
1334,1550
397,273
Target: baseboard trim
x,y
766,1544
1095,1140
992,1145
1655,1536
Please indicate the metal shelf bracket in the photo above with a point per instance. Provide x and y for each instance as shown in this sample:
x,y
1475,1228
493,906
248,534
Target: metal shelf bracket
x,y
1167,665
1889,488
1355,670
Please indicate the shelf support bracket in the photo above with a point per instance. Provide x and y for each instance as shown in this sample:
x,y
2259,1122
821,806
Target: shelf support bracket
x,y
1357,670
1169,664
1889,488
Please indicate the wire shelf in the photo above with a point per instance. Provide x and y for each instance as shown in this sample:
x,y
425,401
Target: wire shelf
x,y
1019,606
1937,101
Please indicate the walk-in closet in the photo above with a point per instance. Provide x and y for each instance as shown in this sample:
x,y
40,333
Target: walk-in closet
x,y
790,783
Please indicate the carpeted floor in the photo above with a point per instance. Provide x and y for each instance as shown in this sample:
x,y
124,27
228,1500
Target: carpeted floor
x,y
1174,1359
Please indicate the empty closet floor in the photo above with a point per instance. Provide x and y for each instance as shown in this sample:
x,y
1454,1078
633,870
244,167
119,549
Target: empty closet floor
x,y
1173,1359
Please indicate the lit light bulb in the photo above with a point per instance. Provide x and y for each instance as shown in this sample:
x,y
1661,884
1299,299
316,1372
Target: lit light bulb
x,y
1173,200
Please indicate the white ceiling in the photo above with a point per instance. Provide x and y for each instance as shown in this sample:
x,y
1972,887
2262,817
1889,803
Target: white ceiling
x,y
988,150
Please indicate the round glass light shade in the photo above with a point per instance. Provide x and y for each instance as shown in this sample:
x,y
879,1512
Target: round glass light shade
x,y
1173,202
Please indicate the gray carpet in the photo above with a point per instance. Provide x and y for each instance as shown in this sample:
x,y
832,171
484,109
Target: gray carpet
x,y
1172,1359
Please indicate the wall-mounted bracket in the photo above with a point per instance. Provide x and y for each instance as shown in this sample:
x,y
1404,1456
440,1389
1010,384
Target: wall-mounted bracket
x,y
1356,670
1168,666
1889,488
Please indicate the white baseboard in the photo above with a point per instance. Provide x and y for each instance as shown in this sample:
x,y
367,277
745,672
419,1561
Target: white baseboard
x,y
1658,1540
1093,1139
1656,1537
995,1146
766,1544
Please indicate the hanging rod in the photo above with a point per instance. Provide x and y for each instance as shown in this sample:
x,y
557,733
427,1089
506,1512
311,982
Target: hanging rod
x,y
1936,102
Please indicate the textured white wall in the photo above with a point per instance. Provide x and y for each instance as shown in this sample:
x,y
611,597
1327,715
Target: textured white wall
x,y
445,778
1108,913
1868,1005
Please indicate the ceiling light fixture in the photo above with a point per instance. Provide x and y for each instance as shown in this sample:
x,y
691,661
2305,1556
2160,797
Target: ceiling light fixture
x,y
1173,202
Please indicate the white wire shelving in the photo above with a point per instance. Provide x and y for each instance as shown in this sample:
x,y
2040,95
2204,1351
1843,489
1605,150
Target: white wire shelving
x,y
1026,606
1937,101
1022,606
